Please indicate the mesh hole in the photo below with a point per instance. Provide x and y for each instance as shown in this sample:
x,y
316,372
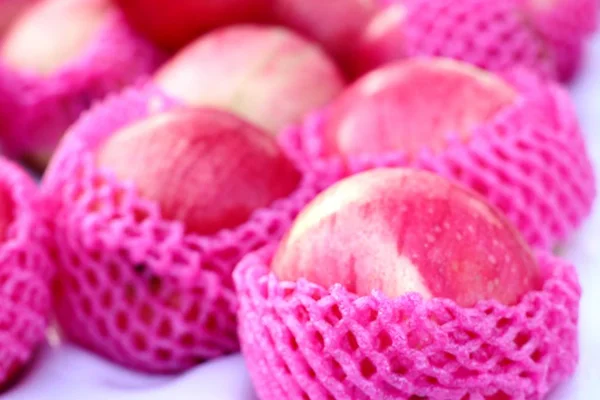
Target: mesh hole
x,y
102,327
319,341
400,365
334,315
212,323
192,313
106,300
163,354
521,339
293,342
114,273
503,323
86,305
537,355
367,368
164,329
146,314
349,342
465,373
498,396
139,342
121,321
384,341
337,371
187,340
92,279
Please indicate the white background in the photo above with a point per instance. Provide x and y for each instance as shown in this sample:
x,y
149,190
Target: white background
x,y
69,373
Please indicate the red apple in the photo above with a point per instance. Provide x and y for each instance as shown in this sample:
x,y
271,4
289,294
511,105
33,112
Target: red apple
x,y
336,24
413,105
174,23
10,10
204,167
52,33
402,231
268,75
381,42
6,211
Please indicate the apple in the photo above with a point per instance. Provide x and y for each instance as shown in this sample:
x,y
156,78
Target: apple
x,y
203,167
335,24
10,10
6,211
174,23
400,231
382,41
52,33
412,105
267,75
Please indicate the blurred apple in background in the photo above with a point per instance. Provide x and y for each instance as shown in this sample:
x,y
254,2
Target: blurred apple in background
x,y
335,24
174,23
401,231
52,33
10,10
204,167
265,74
412,105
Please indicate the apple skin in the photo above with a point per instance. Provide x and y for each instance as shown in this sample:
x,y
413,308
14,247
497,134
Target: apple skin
x,y
156,18
400,231
412,105
204,167
52,33
6,212
10,10
265,74
335,24
382,40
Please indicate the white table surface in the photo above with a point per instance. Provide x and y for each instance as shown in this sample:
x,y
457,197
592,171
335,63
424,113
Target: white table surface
x,y
69,373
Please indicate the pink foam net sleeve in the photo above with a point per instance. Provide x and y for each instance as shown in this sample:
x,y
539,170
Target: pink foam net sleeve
x,y
490,34
530,160
303,341
45,106
134,286
25,273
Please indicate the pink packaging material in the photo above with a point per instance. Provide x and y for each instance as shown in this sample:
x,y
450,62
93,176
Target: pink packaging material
x,y
47,105
530,160
565,25
303,341
490,34
133,286
25,273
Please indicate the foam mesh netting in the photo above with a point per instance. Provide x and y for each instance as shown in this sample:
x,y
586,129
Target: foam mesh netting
x,y
490,34
530,160
45,106
134,286
25,273
302,341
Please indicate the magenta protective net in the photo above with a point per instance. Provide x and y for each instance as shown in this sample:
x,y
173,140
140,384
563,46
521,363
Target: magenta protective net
x,y
25,273
303,341
490,34
134,286
45,106
530,160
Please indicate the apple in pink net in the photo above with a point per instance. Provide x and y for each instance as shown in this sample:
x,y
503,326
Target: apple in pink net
x,y
267,75
6,212
335,24
52,33
203,167
174,23
413,105
401,231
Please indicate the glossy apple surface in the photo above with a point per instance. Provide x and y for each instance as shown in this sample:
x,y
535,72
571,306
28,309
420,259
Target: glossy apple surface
x,y
401,231
204,167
